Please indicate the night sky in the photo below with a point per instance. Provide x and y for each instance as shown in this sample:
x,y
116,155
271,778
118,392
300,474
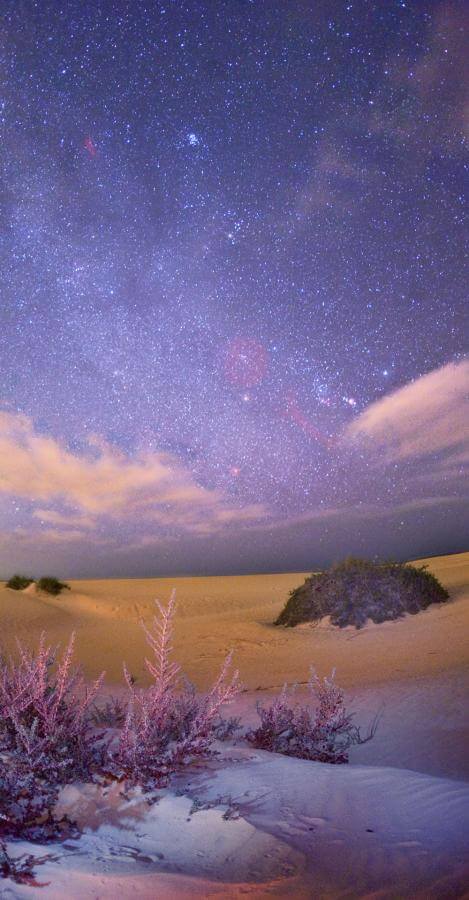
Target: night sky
x,y
233,295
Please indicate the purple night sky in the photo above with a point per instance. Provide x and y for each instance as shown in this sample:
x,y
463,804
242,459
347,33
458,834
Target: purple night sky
x,y
234,301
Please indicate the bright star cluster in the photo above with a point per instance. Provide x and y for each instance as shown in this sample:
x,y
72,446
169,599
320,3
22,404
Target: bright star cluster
x,y
228,229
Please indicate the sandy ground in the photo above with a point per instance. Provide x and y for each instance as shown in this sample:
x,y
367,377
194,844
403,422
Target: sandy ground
x,y
392,824
219,614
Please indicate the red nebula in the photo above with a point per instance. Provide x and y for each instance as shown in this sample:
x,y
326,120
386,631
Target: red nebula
x,y
246,362
89,146
293,411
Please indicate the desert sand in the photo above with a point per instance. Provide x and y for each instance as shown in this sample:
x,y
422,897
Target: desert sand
x,y
219,614
394,823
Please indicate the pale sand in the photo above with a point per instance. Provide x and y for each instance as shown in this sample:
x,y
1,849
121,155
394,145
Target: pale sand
x,y
219,614
392,824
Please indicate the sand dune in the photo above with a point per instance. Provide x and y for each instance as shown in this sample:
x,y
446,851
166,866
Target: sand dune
x,y
392,824
218,614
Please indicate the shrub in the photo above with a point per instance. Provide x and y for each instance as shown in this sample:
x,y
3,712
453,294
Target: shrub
x,y
26,802
47,737
48,583
44,714
356,590
322,734
110,714
21,869
24,799
45,741
167,724
19,582
52,585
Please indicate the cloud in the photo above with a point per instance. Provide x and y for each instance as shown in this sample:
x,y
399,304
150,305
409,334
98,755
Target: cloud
x,y
442,74
57,535
427,418
105,484
419,434
435,111
334,177
68,520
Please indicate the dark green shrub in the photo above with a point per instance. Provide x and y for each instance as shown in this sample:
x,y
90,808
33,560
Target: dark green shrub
x,y
52,585
19,582
355,590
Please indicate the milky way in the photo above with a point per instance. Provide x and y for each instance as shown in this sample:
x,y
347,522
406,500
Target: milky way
x,y
232,232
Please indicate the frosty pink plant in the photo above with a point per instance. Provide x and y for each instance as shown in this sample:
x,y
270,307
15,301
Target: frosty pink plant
x,y
323,733
44,712
168,724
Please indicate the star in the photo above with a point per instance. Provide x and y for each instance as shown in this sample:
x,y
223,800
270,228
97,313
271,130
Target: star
x,y
225,238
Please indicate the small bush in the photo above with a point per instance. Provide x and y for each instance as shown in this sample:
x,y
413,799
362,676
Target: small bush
x,y
168,724
52,585
322,734
356,590
21,868
19,582
44,715
48,736
45,741
26,802
110,714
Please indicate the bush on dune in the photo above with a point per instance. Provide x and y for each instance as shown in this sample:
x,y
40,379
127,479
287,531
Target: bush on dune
x,y
323,732
45,740
19,582
168,724
48,583
52,585
356,590
48,734
44,714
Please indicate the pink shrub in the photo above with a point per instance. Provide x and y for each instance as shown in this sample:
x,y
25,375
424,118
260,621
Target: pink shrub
x,y
167,724
48,738
21,869
323,732
44,714
108,714
45,741
27,804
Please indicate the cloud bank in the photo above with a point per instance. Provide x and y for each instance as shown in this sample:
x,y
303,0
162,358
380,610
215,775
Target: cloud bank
x,y
410,448
104,483
427,418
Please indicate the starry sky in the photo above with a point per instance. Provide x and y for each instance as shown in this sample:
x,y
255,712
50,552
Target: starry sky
x,y
234,301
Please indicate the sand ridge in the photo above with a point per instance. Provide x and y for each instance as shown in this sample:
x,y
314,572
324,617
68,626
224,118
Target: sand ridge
x,y
217,614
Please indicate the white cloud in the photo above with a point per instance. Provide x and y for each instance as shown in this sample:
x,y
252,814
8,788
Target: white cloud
x,y
428,417
104,484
